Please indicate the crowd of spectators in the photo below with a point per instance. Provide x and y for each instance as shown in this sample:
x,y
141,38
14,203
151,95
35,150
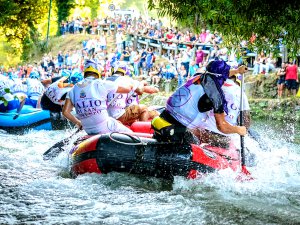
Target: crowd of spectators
x,y
195,51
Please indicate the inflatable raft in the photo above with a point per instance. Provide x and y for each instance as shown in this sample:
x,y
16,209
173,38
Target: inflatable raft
x,y
138,153
26,117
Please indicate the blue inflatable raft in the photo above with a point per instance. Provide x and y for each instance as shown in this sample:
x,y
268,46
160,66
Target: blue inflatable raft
x,y
27,117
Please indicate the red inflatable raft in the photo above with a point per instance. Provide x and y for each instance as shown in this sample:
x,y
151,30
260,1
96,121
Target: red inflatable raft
x,y
138,153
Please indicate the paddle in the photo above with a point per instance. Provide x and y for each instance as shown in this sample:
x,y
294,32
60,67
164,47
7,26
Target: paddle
x,y
58,147
145,96
244,174
19,109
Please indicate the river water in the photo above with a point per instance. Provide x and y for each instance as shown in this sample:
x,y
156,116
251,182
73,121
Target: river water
x,y
33,191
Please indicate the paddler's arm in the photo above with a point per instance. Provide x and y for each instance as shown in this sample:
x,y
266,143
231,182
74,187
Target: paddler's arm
x,y
124,88
150,89
226,127
241,70
67,109
61,83
138,86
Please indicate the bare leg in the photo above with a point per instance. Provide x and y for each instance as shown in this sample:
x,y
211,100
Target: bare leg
x,y
144,113
38,104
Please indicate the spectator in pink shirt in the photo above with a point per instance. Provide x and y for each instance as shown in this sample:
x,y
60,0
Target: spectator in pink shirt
x,y
291,78
203,36
199,55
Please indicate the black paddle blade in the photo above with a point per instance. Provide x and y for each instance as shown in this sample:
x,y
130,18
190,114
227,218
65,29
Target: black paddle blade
x,y
55,150
58,147
15,116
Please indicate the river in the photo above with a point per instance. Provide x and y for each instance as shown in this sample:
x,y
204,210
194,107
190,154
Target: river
x,y
33,191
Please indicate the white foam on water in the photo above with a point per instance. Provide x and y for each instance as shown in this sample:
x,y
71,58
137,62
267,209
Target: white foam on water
x,y
35,191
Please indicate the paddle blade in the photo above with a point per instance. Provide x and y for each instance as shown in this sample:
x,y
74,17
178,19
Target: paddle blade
x,y
54,150
15,116
244,175
58,147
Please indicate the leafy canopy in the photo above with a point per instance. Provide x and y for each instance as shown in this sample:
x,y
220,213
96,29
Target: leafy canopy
x,y
269,20
17,18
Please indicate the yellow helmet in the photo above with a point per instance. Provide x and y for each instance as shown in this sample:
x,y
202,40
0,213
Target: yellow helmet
x,y
121,67
91,66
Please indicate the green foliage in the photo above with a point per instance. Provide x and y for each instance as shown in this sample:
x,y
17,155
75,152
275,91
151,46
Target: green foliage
x,y
269,20
17,18
94,5
63,9
3,99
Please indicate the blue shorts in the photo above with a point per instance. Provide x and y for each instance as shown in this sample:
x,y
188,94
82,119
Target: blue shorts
x,y
281,80
291,84
14,104
31,102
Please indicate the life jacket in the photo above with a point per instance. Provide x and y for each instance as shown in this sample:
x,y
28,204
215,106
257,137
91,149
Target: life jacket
x,y
89,98
118,101
183,104
19,87
34,88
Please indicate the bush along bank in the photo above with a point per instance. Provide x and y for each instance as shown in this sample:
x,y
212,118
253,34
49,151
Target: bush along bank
x,y
262,93
282,110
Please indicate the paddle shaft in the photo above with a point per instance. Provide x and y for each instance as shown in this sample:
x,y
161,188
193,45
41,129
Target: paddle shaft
x,y
243,161
145,96
19,109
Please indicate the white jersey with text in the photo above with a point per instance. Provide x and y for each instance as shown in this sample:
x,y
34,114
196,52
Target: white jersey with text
x,y
118,102
55,93
19,87
35,89
232,94
132,100
89,98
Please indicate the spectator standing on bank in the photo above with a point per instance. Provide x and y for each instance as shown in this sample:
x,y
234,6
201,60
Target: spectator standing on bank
x,y
119,40
193,69
199,55
149,58
60,59
182,76
186,57
291,78
281,79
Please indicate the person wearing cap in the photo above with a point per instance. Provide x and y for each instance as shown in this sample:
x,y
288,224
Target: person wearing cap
x,y
9,101
125,107
54,97
187,107
89,97
209,133
35,89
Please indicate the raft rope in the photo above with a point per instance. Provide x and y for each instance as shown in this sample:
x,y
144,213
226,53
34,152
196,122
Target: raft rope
x,y
137,139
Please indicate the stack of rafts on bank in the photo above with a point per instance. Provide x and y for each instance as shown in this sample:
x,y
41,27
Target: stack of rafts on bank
x,y
140,154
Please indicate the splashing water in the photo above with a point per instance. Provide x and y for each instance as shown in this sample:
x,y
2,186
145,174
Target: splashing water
x,y
33,191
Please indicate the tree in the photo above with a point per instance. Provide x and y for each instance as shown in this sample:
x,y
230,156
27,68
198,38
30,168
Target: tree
x,y
18,18
63,9
238,19
94,5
